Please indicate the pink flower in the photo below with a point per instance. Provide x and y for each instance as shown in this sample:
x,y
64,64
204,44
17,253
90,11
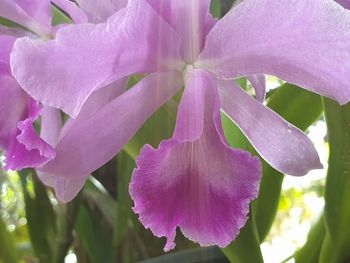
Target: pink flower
x,y
193,181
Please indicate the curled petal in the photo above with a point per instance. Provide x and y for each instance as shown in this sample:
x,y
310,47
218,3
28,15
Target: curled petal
x,y
94,140
281,144
259,37
65,188
258,82
197,184
23,147
83,58
27,149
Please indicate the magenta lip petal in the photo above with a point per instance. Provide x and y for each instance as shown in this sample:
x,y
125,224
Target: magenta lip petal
x,y
196,183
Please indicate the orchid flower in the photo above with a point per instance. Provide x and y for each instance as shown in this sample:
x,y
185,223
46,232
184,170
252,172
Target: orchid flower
x,y
193,181
23,147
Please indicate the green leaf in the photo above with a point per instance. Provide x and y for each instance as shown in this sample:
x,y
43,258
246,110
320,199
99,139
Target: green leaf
x,y
158,127
95,222
8,23
59,17
337,195
301,108
310,252
40,216
66,218
215,8
95,235
125,166
246,247
8,251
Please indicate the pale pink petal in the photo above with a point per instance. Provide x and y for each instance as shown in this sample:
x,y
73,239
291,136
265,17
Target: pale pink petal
x,y
10,95
33,14
99,11
306,43
118,4
6,44
93,141
84,58
191,19
96,101
51,125
27,149
65,188
281,144
76,14
258,82
11,31
197,184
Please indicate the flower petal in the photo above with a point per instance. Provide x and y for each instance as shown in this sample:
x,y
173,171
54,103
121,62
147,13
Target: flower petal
x,y
27,149
96,101
99,11
84,58
11,31
34,14
13,103
93,141
282,145
286,39
76,14
258,82
23,147
65,188
202,186
191,19
6,43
